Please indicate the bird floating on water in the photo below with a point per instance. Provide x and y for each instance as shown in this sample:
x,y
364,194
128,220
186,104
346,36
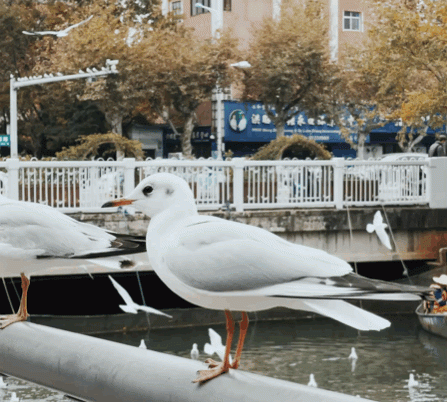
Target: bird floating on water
x,y
353,355
226,265
14,398
312,382
61,33
131,306
379,227
412,382
194,352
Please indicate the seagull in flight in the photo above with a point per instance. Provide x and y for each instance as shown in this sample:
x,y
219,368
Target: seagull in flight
x,y
215,346
59,34
379,227
226,265
131,306
36,237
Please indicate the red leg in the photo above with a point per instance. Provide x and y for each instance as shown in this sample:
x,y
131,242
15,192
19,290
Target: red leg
x,y
22,314
216,370
243,326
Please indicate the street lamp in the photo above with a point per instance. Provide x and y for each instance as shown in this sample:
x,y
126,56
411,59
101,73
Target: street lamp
x,y
15,84
216,27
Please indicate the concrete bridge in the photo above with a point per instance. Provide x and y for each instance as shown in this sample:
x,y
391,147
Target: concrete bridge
x,y
416,233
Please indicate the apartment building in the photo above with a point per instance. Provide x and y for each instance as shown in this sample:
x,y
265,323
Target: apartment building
x,y
349,21
347,17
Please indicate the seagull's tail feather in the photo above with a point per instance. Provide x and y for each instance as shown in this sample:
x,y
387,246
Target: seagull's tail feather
x,y
118,263
377,289
346,313
123,244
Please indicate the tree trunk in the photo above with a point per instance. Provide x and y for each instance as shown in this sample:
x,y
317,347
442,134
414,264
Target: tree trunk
x,y
280,130
115,121
361,139
188,127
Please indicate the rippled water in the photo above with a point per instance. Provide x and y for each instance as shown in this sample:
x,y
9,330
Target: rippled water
x,y
292,350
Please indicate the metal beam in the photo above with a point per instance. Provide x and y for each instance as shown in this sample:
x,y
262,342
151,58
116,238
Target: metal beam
x,y
93,369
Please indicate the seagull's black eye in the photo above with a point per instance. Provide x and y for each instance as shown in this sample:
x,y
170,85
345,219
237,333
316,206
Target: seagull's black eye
x,y
147,190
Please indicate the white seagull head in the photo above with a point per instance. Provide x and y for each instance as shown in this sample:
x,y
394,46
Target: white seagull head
x,y
158,193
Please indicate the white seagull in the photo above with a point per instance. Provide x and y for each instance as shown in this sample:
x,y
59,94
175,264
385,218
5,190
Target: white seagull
x,y
312,382
59,34
215,345
353,355
131,306
194,352
379,227
36,237
142,344
14,397
226,265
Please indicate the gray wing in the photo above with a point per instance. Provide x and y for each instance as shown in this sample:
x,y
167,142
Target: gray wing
x,y
44,231
217,255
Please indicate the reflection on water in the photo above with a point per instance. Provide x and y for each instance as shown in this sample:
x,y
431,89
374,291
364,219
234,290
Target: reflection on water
x,y
292,350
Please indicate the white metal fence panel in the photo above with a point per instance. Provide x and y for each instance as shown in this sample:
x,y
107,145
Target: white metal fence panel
x,y
282,184
240,183
376,182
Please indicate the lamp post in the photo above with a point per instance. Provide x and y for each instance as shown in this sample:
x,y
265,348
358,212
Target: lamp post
x,y
217,25
16,83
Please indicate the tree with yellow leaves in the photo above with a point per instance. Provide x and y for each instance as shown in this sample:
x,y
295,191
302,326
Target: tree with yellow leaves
x,y
406,52
175,71
291,71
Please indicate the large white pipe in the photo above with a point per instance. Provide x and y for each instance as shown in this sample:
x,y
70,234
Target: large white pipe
x,y
97,370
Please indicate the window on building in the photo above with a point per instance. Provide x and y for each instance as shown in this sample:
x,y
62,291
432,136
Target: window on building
x,y
198,10
176,7
352,21
227,5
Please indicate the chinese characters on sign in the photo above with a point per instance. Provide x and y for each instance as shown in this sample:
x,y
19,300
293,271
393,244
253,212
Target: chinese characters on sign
x,y
4,140
250,122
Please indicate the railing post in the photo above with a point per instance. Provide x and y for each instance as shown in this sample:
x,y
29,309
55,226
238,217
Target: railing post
x,y
338,182
436,183
13,165
238,183
129,175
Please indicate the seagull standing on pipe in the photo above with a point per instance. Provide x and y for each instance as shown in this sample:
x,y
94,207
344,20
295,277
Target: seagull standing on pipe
x,y
36,237
59,34
226,265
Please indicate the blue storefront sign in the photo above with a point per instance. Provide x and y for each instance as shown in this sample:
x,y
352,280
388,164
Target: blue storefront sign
x,y
248,122
5,140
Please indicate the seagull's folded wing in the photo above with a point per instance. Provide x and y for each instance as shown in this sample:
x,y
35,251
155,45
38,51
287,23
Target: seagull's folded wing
x,y
218,255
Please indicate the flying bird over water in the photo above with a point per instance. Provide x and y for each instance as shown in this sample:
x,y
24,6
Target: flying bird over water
x,y
379,227
131,306
226,265
61,33
36,237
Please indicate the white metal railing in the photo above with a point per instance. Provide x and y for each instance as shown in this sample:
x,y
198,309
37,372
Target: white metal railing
x,y
240,183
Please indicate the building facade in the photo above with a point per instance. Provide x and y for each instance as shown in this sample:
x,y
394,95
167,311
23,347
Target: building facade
x,y
349,22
